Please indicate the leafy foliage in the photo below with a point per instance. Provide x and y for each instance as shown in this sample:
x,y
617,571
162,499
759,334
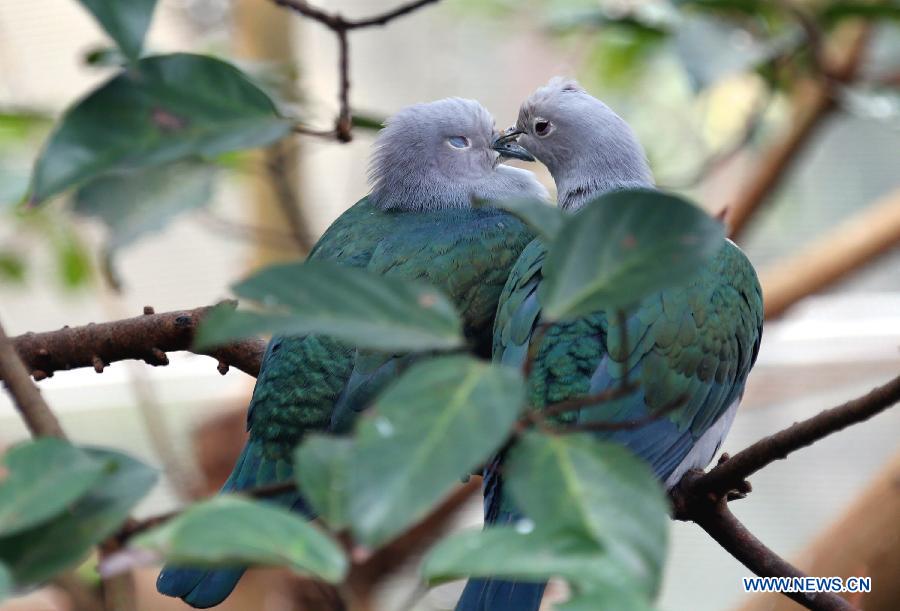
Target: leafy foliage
x,y
575,492
545,219
55,544
125,22
435,424
42,479
323,466
652,241
354,305
145,116
132,203
230,530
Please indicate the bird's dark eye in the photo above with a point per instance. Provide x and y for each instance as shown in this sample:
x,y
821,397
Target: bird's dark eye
x,y
458,142
542,127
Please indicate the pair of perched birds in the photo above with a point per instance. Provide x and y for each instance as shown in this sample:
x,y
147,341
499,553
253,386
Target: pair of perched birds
x,y
696,342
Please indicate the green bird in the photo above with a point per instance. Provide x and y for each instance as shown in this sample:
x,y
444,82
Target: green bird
x,y
696,342
430,162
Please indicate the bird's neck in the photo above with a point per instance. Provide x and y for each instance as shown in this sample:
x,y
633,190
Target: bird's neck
x,y
587,181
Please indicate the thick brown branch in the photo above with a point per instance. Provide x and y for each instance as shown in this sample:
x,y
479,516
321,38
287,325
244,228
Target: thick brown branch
x,y
856,242
730,474
148,338
727,530
414,542
41,422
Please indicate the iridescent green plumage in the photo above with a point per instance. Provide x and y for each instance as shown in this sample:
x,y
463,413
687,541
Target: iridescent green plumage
x,y
691,346
316,383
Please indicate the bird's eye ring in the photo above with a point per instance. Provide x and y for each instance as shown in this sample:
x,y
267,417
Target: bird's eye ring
x,y
458,142
542,127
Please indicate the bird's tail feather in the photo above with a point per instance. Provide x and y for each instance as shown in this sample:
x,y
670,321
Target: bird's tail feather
x,y
501,595
203,588
490,594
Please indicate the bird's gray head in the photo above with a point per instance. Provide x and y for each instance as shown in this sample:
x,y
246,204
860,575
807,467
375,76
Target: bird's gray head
x,y
438,155
587,147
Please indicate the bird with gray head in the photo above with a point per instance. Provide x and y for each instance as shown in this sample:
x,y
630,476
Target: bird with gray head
x,y
587,147
430,162
693,344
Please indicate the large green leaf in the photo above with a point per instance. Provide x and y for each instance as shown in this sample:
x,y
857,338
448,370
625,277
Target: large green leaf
x,y
322,467
522,553
600,489
230,530
125,21
623,246
140,201
440,420
163,108
545,219
354,305
39,553
41,479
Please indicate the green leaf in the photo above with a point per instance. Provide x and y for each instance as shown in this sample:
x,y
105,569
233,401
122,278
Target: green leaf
x,y
368,121
40,480
545,219
162,109
132,203
622,247
38,554
6,583
230,530
354,305
440,420
582,485
125,21
12,267
521,552
73,261
321,467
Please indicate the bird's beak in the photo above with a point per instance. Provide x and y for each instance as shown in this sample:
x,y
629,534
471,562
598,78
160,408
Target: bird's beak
x,y
506,145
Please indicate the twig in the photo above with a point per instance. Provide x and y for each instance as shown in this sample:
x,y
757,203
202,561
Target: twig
x,y
146,337
341,26
246,232
136,527
576,403
277,164
718,521
413,542
625,425
41,422
731,473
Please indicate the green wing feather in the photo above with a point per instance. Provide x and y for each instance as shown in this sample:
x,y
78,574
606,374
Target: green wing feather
x,y
697,341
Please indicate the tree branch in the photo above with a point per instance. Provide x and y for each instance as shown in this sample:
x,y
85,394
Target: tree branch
x,y
856,242
730,474
41,422
702,497
341,26
148,338
718,521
